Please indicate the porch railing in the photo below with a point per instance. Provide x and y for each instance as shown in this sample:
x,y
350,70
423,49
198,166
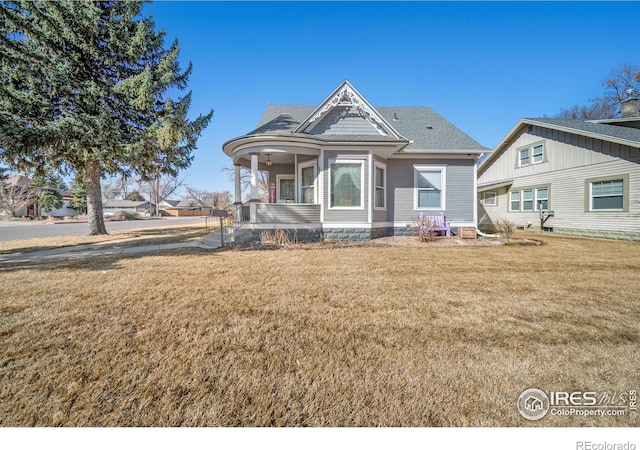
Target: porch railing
x,y
293,213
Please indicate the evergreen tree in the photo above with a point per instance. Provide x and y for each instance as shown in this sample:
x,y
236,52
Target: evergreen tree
x,y
83,88
50,199
79,193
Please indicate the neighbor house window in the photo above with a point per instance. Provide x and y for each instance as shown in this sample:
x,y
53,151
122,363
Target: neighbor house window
x,y
542,198
489,199
514,204
380,186
524,157
609,194
527,200
537,154
307,183
346,189
530,199
531,155
429,187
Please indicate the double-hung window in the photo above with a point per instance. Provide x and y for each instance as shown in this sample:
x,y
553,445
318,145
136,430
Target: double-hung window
x,y
533,154
537,154
307,183
380,186
346,179
608,194
523,155
490,198
429,187
514,197
529,199
542,199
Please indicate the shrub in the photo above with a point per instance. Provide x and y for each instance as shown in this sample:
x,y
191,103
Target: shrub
x,y
425,226
505,228
121,214
278,237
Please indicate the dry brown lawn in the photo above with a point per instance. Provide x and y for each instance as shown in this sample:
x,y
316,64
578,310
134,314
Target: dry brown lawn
x,y
158,235
319,335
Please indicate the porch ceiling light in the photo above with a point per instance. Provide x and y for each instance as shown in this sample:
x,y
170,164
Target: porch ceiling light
x,y
269,162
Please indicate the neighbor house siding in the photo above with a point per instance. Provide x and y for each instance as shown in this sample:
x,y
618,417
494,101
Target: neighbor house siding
x,y
460,193
345,215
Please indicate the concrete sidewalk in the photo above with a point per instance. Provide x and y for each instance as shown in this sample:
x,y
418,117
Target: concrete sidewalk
x,y
88,250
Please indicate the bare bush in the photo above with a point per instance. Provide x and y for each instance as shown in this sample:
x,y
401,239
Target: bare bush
x,y
505,227
278,237
125,215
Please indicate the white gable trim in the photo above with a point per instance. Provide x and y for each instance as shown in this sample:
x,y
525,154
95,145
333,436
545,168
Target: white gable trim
x,y
347,95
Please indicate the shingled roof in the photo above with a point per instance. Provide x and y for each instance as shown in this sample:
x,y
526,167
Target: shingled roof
x,y
602,129
422,126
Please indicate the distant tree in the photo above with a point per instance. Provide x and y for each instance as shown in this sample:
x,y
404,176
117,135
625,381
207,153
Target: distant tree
x,y
161,188
49,199
135,196
13,197
218,200
3,173
79,193
245,183
618,86
49,179
84,87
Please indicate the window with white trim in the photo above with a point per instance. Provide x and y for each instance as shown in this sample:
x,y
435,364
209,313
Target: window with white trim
x,y
346,190
380,186
489,198
537,154
514,201
607,194
429,187
523,157
542,199
308,183
531,155
529,199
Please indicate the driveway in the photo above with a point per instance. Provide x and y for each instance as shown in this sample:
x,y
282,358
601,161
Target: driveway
x,y
10,230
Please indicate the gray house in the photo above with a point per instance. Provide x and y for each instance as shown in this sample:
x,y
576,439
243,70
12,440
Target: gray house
x,y
587,172
346,170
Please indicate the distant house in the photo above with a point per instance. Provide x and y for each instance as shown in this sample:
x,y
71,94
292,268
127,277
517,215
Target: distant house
x,y
66,210
19,200
110,207
587,172
182,208
344,169
22,188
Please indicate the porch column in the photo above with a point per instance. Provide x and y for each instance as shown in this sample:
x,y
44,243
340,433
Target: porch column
x,y
237,203
238,195
254,189
254,177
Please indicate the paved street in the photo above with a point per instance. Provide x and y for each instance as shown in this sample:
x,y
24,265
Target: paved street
x,y
38,229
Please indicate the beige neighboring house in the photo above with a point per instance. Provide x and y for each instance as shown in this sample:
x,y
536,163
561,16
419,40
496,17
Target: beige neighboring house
x,y
582,177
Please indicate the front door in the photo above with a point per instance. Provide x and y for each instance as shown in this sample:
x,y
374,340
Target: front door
x,y
286,188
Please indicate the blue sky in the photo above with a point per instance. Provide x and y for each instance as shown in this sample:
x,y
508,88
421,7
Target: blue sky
x,y
482,65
